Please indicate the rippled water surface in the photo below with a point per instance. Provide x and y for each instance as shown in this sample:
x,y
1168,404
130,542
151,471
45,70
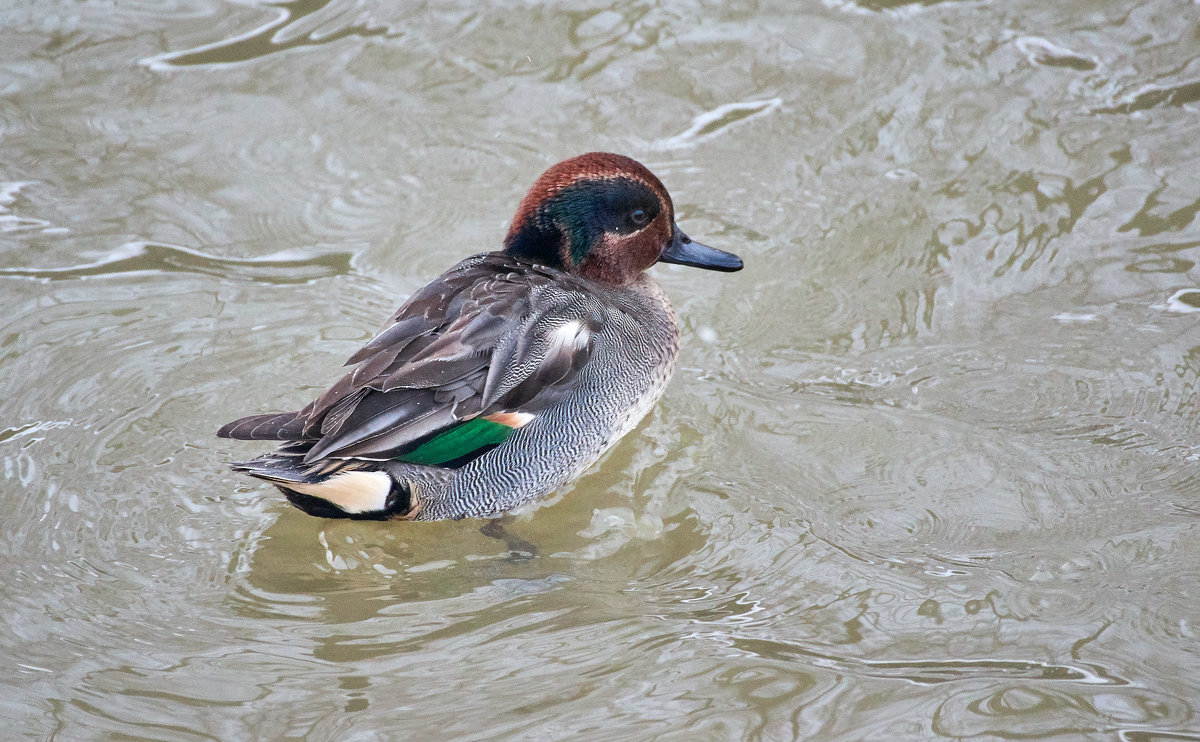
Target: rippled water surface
x,y
928,468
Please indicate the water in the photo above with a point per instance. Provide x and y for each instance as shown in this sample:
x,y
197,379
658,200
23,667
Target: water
x,y
928,468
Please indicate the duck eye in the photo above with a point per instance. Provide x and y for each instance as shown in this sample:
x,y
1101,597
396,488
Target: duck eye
x,y
640,217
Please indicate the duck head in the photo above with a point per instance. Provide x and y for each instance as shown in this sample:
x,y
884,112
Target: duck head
x,y
607,218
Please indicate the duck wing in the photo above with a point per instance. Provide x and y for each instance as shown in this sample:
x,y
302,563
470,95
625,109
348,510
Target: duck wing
x,y
474,355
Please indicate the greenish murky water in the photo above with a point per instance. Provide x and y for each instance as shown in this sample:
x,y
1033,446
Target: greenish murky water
x,y
928,468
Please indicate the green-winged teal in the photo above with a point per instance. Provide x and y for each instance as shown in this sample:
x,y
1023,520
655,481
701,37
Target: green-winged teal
x,y
510,373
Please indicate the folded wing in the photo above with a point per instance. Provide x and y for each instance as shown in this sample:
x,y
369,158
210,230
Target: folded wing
x,y
476,354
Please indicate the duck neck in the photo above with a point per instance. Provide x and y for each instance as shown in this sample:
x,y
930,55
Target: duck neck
x,y
537,240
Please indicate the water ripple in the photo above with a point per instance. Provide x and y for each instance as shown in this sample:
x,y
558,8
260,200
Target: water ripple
x,y
1179,95
713,123
1029,712
1048,54
931,672
297,24
147,257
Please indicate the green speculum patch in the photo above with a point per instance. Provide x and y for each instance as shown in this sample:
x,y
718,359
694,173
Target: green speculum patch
x,y
473,437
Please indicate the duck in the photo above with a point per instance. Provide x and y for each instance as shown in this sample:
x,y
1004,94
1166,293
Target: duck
x,y
508,375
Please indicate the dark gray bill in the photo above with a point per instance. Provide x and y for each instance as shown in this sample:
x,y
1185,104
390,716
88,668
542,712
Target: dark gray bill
x,y
685,252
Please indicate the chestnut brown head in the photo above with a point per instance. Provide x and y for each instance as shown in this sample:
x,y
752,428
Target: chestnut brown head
x,y
607,218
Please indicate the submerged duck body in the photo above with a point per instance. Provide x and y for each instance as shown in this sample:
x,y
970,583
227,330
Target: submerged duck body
x,y
509,374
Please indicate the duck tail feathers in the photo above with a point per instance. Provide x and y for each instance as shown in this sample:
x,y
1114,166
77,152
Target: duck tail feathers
x,y
345,489
273,426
